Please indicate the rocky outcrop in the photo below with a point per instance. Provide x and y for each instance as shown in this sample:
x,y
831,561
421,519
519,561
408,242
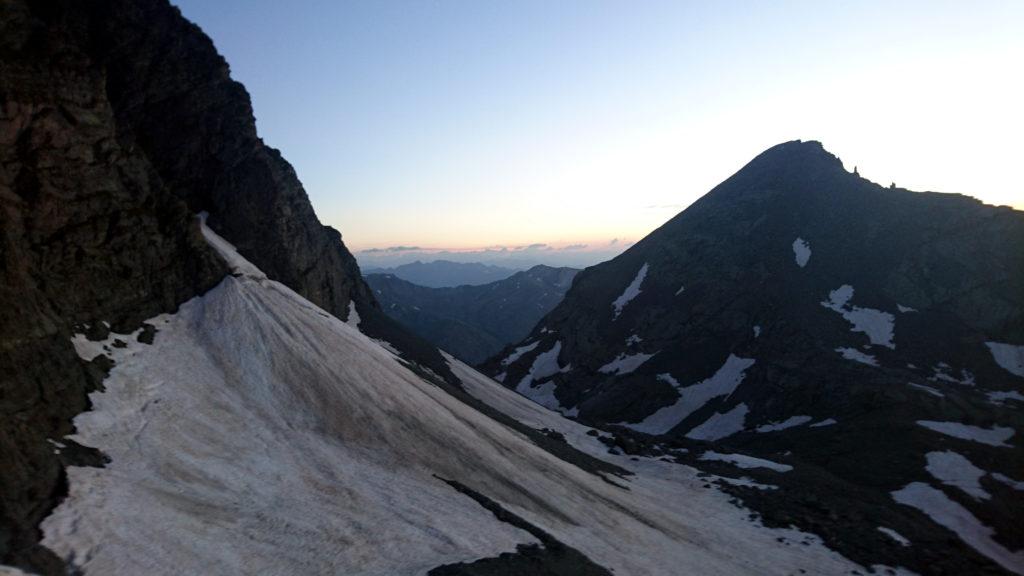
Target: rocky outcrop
x,y
796,293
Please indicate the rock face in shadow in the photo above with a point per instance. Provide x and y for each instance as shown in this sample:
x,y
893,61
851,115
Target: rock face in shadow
x,y
89,232
473,322
797,293
118,123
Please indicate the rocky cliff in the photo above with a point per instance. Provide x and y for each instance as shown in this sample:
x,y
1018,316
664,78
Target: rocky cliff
x,y
119,122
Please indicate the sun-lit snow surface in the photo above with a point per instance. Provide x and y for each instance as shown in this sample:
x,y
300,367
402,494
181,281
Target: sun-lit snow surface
x,y
691,398
801,252
631,291
876,324
958,519
1009,356
954,469
625,363
709,537
744,461
995,436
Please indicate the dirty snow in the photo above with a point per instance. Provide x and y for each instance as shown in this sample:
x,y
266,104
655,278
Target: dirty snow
x,y
899,538
857,356
801,252
744,461
953,469
825,422
876,324
631,291
625,363
633,339
1009,356
995,436
959,520
518,353
787,423
260,435
692,398
720,425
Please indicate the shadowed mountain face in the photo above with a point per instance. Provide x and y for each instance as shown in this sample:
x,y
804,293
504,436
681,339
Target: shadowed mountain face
x,y
118,122
473,322
445,273
801,313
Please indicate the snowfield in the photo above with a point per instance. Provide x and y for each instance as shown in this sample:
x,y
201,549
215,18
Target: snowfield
x,y
631,291
876,324
625,363
1009,356
959,520
692,398
801,252
995,436
259,434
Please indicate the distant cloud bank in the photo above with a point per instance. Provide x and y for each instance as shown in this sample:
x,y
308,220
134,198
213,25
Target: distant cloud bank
x,y
577,255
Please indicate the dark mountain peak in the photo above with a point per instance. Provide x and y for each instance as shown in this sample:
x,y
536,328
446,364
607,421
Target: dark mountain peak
x,y
791,166
800,310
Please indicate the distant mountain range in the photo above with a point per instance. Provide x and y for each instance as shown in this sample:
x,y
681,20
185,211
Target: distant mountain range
x,y
865,343
473,322
445,273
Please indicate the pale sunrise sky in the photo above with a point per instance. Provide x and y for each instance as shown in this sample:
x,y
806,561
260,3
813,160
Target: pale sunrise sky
x,y
472,124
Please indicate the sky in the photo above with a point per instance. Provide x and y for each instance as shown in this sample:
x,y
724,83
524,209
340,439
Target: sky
x,y
560,127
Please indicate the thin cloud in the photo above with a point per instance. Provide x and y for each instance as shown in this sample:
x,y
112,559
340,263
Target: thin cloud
x,y
613,242
575,247
392,249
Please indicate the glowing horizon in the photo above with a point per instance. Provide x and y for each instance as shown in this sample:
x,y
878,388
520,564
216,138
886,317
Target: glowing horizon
x,y
463,125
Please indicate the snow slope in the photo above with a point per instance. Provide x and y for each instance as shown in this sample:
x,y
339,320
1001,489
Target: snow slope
x,y
259,434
